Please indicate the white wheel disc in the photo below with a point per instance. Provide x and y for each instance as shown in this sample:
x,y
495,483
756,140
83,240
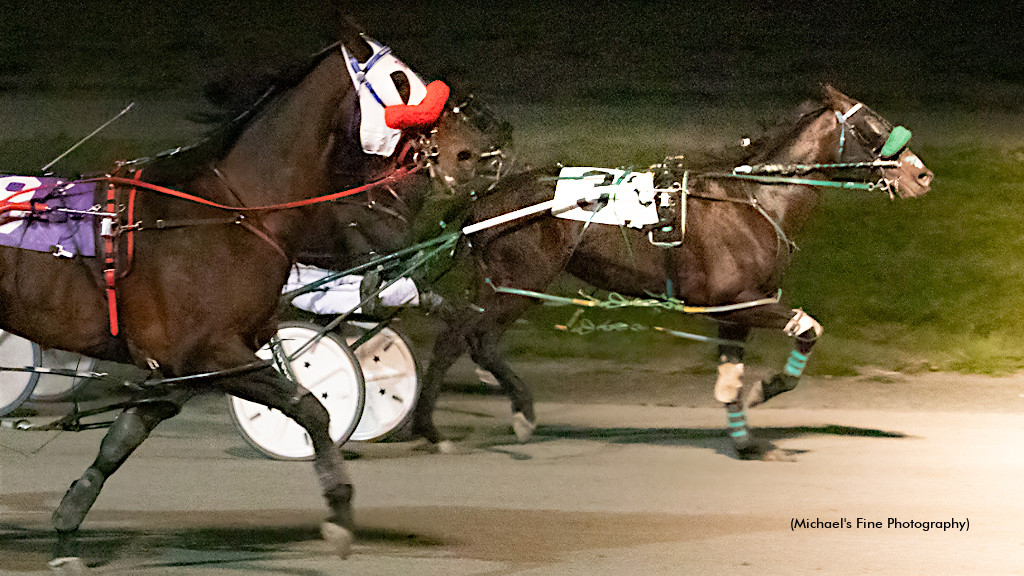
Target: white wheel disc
x,y
16,387
329,370
392,386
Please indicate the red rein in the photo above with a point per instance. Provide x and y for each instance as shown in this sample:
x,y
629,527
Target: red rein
x,y
21,207
268,208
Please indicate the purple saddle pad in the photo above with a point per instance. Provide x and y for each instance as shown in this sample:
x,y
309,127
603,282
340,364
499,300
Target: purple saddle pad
x,y
56,231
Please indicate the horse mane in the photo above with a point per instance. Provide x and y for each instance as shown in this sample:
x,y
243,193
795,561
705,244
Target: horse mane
x,y
235,99
772,137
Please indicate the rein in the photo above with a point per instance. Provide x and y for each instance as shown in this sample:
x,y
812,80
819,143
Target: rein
x,y
42,207
770,174
395,175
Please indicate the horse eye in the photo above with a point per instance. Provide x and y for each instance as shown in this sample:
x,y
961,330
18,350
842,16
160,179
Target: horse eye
x,y
464,155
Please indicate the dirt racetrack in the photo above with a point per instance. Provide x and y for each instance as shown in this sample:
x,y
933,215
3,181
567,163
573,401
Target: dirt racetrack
x,y
609,486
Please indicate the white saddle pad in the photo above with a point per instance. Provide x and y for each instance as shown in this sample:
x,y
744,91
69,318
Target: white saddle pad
x,y
629,195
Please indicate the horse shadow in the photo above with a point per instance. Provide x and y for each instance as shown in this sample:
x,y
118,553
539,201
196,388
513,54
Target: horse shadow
x,y
124,550
764,448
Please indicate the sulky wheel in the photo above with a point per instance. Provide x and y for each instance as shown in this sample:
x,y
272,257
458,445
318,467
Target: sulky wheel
x,y
392,386
329,370
16,387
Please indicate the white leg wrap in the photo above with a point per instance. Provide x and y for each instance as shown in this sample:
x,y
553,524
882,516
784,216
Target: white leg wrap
x,y
727,387
802,322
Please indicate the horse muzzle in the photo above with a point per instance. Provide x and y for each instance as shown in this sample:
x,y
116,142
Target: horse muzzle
x,y
911,179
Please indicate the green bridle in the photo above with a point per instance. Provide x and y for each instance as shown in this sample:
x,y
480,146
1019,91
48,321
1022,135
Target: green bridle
x,y
895,142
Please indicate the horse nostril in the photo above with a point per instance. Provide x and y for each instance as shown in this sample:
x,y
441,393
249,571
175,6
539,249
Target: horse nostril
x,y
925,178
464,155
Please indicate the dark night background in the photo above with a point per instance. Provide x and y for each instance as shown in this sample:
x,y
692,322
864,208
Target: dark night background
x,y
910,54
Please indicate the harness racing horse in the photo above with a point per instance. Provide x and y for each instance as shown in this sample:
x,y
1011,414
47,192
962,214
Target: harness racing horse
x,y
735,249
197,244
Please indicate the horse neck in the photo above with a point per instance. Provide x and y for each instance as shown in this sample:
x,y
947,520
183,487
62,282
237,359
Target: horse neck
x,y
284,154
816,143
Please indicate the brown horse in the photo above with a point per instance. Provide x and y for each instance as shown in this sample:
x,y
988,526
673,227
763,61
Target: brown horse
x,y
195,281
738,225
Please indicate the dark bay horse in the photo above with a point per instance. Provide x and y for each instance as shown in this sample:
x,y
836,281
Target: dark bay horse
x,y
735,250
195,282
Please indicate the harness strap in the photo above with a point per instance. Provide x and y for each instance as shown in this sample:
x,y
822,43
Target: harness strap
x,y
617,301
842,118
107,231
241,221
397,174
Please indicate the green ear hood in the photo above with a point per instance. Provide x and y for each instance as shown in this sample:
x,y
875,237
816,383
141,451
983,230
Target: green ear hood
x,y
898,138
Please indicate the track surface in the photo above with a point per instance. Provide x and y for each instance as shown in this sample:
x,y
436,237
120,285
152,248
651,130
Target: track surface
x,y
605,488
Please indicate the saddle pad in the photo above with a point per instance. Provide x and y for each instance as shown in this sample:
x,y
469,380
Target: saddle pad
x,y
52,231
630,196
376,90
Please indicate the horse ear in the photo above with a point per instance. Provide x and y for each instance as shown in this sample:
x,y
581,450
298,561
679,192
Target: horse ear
x,y
830,94
350,34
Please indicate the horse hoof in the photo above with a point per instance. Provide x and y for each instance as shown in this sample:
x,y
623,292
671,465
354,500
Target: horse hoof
x,y
749,452
523,427
765,390
440,447
748,448
77,501
338,538
68,565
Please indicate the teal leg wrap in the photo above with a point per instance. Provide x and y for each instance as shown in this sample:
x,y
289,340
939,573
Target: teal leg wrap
x,y
796,364
738,433
737,424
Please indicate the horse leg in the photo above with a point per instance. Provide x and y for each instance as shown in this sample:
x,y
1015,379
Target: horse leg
x,y
269,388
805,331
449,345
129,430
729,385
486,353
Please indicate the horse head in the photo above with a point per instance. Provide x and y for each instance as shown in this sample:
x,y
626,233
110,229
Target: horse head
x,y
468,149
459,144
396,140
865,136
